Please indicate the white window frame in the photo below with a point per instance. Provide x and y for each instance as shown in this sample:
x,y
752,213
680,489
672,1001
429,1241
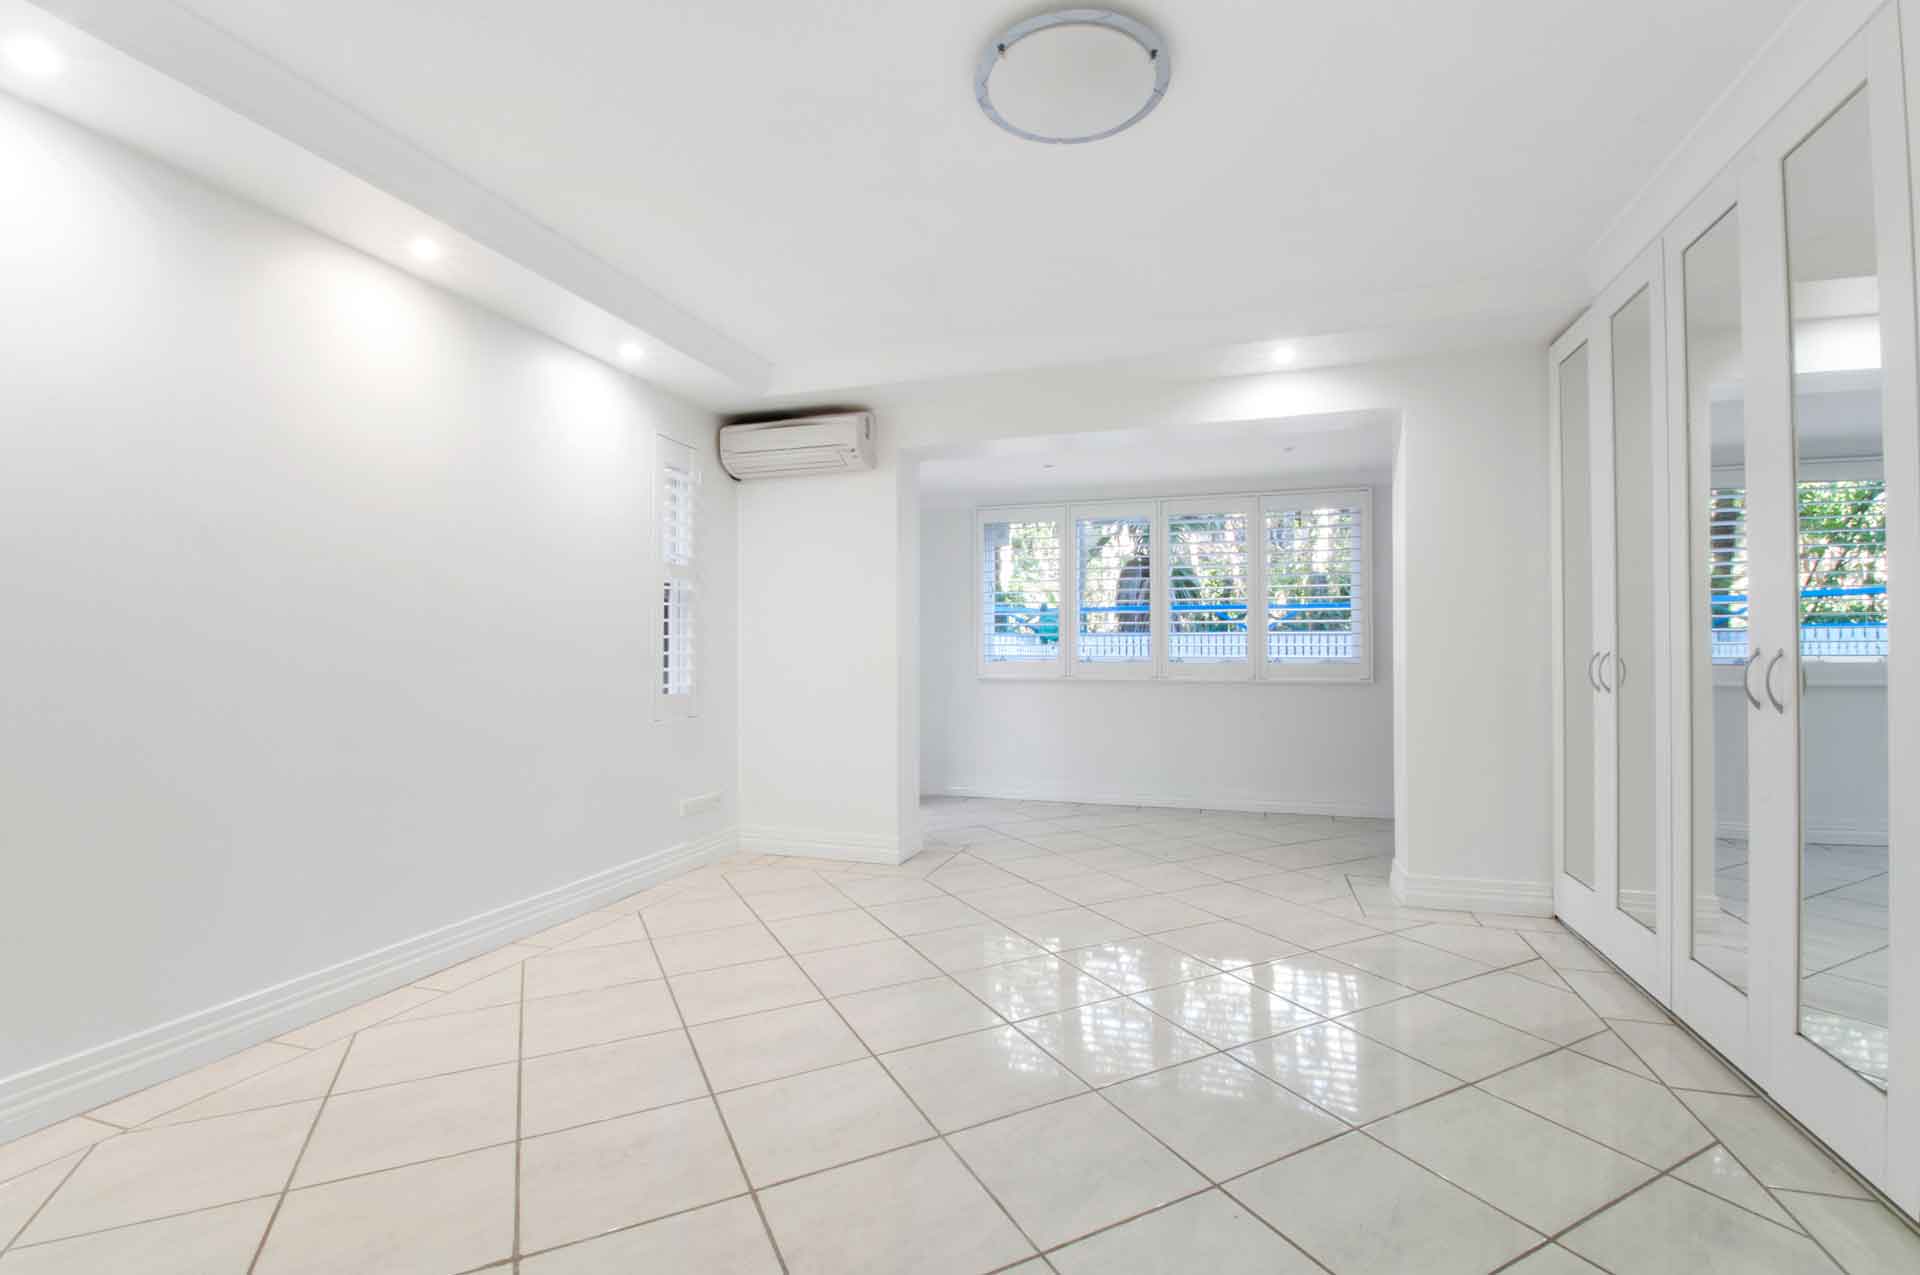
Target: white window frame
x,y
1256,668
1360,668
1020,669
670,453
1132,670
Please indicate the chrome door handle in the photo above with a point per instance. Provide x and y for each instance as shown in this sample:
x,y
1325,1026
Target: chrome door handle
x,y
1772,664
1746,680
1603,672
1620,672
1591,680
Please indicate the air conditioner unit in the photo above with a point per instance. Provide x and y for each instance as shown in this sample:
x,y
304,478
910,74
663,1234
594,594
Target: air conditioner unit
x,y
810,445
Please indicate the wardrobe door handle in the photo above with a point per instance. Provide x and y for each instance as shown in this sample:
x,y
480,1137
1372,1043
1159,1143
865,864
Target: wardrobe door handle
x,y
1603,672
1746,680
1620,672
1591,680
1772,664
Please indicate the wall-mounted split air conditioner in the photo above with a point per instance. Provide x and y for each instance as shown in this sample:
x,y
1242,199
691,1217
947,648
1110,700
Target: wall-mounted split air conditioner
x,y
833,444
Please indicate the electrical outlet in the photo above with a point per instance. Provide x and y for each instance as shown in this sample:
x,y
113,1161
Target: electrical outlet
x,y
700,805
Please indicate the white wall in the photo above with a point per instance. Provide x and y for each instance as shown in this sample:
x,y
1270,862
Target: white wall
x,y
329,610
1472,703
828,663
1290,746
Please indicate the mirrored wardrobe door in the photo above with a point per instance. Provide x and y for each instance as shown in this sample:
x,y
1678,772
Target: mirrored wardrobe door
x,y
1629,672
1579,685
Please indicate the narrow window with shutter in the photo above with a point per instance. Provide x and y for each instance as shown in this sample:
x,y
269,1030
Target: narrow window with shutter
x,y
1021,588
1316,575
1113,617
1208,579
678,494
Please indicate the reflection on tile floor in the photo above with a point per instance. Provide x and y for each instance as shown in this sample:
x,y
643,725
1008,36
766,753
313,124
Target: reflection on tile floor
x,y
1064,1038
1843,945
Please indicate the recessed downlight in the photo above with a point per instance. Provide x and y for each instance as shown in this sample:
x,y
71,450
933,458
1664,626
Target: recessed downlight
x,y
426,250
1285,356
1072,76
31,55
632,351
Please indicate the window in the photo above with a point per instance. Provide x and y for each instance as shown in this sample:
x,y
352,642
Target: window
x,y
1020,589
1842,574
678,493
1113,561
1316,547
1166,588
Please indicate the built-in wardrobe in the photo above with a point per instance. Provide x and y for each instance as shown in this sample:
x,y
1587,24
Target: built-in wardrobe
x,y
1737,538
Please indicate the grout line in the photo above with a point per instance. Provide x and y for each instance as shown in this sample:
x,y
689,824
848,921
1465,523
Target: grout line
x,y
7,1245
294,1168
519,1106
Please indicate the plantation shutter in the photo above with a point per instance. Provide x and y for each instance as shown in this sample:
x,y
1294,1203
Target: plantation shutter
x,y
678,492
1316,578
1843,569
1727,586
1207,584
1021,585
1113,559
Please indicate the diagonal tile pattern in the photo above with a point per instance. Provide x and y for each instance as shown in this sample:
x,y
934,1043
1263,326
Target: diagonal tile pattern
x,y
1127,1039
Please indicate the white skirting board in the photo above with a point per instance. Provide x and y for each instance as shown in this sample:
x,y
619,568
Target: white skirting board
x,y
1472,894
815,843
80,1082
1276,806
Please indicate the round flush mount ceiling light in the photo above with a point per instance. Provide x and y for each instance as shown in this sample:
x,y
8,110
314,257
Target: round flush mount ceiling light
x,y
1075,75
30,55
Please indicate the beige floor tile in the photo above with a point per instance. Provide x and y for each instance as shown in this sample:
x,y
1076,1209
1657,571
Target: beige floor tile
x,y
1322,984
455,977
890,1018
336,1027
712,949
622,929
1135,965
417,1120
569,930
1223,1117
1677,1058
720,1239
865,966
665,920
592,1179
1523,1165
1070,927
1524,1005
588,968
1456,1041
1155,913
554,1023
307,1077
444,1215
1113,1040
1612,996
980,1076
878,890
1862,1234
1350,1075
1565,952
1634,1116
558,1091
1209,1233
1335,1200
1717,1171
1008,903
1225,1011
211,1242
823,930
22,1196
916,1211
1489,946
55,1142
431,1046
819,1119
1670,1226
154,1173
137,1109
1551,1260
779,1042
1037,985
1771,1148
753,882
1227,944
1074,1167
923,916
1610,1049
709,995
972,947
499,988
1404,961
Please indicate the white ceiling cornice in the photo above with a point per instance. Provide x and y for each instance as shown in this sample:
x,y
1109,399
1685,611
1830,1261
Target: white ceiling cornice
x,y
199,55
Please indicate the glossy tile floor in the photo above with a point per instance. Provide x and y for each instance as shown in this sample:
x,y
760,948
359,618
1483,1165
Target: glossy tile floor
x,y
1071,1039
1843,945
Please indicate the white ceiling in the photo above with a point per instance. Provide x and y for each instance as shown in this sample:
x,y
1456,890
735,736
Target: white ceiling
x,y
1242,456
814,180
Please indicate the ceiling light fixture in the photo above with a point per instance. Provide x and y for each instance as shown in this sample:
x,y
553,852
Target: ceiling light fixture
x,y
1075,75
632,351
425,249
30,55
1285,355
